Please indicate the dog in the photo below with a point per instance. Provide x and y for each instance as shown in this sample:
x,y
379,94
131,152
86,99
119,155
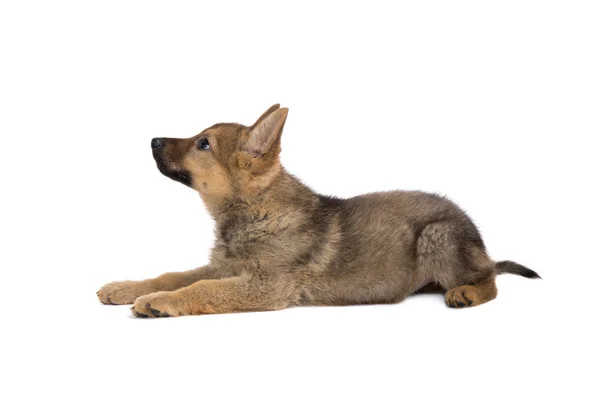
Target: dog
x,y
279,244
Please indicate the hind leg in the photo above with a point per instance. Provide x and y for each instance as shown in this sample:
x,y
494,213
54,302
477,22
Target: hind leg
x,y
471,295
452,256
468,289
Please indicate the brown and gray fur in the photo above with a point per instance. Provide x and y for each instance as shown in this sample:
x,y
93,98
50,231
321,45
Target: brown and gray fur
x,y
280,244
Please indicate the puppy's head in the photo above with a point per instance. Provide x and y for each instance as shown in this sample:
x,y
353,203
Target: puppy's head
x,y
225,160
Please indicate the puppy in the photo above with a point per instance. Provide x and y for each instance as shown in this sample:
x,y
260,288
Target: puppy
x,y
280,244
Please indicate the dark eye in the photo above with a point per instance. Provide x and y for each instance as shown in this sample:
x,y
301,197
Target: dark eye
x,y
203,144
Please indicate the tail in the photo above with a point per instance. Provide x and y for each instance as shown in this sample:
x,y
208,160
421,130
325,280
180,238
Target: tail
x,y
511,267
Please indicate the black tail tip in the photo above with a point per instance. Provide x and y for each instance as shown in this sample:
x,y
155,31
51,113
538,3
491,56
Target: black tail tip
x,y
531,274
511,267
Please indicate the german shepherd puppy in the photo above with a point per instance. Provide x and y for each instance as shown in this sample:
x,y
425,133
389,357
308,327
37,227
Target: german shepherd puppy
x,y
280,244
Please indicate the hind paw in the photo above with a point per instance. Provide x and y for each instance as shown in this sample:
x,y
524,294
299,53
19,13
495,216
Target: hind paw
x,y
462,296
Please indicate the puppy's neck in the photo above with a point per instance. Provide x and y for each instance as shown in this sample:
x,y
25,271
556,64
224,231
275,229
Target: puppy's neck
x,y
269,194
254,189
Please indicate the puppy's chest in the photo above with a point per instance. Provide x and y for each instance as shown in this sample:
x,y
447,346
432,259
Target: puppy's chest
x,y
246,237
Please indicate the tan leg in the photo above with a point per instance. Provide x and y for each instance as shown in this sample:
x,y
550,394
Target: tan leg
x,y
471,295
125,292
211,297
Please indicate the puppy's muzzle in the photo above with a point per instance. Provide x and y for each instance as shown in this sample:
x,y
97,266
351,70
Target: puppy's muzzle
x,y
165,165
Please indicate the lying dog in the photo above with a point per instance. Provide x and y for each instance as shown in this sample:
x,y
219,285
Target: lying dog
x,y
280,244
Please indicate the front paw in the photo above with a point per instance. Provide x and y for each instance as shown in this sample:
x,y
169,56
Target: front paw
x,y
124,292
159,304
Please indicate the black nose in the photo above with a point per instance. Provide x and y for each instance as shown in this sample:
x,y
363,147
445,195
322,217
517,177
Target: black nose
x,y
157,142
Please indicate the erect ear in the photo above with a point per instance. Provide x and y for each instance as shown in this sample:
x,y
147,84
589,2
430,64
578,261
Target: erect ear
x,y
265,115
265,137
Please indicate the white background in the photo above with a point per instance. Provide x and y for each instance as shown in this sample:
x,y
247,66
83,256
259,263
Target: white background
x,y
494,104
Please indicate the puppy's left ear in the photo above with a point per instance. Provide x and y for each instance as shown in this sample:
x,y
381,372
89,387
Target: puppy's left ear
x,y
265,115
264,137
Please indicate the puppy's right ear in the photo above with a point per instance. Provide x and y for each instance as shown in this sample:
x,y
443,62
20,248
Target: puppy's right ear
x,y
265,115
